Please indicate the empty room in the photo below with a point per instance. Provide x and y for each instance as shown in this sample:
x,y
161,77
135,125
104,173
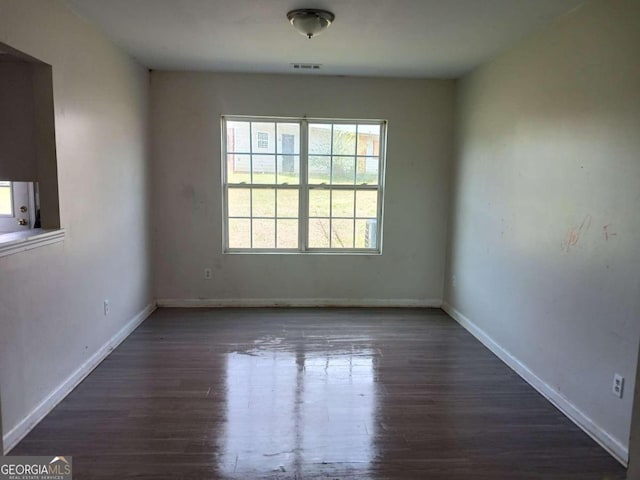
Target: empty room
x,y
326,239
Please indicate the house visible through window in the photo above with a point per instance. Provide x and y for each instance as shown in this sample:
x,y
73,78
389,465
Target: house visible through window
x,y
316,188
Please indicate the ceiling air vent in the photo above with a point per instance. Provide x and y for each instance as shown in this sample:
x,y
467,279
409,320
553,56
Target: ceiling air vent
x,y
306,66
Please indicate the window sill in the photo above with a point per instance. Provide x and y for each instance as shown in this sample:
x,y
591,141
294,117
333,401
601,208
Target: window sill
x,y
305,253
16,242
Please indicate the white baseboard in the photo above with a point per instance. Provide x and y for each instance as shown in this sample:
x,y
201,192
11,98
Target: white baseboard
x,y
601,436
17,433
296,302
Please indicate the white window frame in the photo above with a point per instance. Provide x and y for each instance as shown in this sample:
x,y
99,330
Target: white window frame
x,y
303,187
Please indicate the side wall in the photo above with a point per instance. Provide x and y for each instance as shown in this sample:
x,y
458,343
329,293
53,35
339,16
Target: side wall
x,y
186,111
52,326
543,257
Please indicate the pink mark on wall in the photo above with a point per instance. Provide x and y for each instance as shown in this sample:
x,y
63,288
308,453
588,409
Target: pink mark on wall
x,y
575,233
606,230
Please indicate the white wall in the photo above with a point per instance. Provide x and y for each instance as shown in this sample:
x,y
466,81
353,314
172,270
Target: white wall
x,y
51,319
186,110
544,255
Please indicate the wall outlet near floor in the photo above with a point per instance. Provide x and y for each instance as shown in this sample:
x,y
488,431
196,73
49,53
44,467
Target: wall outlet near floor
x,y
207,274
106,307
618,385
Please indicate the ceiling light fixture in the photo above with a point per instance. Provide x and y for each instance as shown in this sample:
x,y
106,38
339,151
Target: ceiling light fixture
x,y
310,21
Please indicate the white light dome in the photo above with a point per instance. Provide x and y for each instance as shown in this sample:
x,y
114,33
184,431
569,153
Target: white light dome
x,y
310,22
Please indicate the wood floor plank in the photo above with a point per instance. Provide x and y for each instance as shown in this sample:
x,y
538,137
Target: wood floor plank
x,y
311,394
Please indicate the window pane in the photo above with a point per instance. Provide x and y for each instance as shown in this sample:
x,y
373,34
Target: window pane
x,y
367,170
287,234
238,137
6,207
344,139
288,203
263,137
319,233
366,204
264,233
319,139
289,138
289,169
239,233
343,170
238,168
341,233
319,203
239,202
369,140
366,233
319,170
264,169
264,202
342,203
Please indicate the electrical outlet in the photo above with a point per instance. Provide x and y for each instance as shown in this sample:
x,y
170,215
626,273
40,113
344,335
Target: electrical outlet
x,y
618,385
454,282
207,274
106,307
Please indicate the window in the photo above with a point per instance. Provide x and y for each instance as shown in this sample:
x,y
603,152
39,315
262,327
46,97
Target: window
x,y
263,140
6,199
28,170
29,206
316,188
18,206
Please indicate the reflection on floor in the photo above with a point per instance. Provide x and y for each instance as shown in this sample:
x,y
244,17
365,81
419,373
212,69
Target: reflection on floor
x,y
289,406
311,393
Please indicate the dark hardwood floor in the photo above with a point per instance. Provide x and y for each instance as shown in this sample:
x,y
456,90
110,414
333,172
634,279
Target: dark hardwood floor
x,y
311,394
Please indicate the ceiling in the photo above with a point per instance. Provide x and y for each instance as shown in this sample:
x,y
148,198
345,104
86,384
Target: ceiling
x,y
389,38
